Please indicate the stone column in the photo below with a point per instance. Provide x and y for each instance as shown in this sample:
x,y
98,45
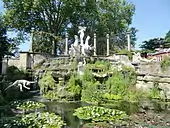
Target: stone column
x,y
128,40
66,44
31,40
53,48
94,45
107,36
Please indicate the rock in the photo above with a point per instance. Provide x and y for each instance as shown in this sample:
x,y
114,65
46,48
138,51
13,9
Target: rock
x,y
145,86
39,59
46,65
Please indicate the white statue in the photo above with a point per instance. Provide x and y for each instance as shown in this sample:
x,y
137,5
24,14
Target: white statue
x,y
75,44
86,46
81,32
22,84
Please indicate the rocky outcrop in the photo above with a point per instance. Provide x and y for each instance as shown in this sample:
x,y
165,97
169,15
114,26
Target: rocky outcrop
x,y
151,75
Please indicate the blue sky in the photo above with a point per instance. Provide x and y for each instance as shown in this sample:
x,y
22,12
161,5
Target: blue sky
x,y
152,19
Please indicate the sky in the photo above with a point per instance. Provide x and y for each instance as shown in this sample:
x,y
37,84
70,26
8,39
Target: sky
x,y
151,18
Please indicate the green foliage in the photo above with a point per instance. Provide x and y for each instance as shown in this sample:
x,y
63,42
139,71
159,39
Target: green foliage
x,y
154,92
112,96
165,63
116,84
4,43
167,39
47,82
29,105
126,52
115,19
10,122
87,74
99,114
151,44
105,65
51,95
13,73
39,120
129,75
74,86
134,95
91,92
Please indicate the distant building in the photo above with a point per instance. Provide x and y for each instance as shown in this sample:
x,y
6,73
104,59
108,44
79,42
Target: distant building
x,y
159,54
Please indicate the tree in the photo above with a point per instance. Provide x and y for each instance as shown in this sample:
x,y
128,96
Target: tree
x,y
152,44
4,45
106,17
167,40
49,16
156,43
54,16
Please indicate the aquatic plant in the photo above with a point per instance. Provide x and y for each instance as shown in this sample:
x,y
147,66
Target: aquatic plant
x,y
99,114
29,105
42,120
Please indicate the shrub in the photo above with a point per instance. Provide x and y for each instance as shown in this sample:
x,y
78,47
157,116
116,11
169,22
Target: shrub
x,y
47,83
13,73
91,93
87,75
116,84
129,75
126,52
165,63
74,87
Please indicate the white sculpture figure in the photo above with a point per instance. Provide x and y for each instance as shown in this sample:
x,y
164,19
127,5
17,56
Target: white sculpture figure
x,y
81,32
22,84
75,44
86,45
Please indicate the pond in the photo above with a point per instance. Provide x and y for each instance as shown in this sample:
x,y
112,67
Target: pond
x,y
151,113
148,113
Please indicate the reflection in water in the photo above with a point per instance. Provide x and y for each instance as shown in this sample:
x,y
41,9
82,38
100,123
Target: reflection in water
x,y
66,110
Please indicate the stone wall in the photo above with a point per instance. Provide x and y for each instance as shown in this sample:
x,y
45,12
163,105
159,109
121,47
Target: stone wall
x,y
151,75
26,60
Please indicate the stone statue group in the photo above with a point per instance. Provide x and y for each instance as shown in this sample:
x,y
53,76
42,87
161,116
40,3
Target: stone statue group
x,y
82,48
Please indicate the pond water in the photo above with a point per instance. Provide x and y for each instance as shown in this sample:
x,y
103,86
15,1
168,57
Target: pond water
x,y
153,113
147,109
